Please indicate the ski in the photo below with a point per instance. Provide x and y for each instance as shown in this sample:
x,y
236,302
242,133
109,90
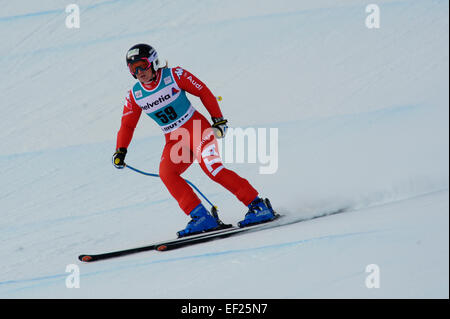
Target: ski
x,y
124,252
224,232
227,231
216,235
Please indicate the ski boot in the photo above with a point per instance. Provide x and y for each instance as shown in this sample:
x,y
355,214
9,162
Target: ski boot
x,y
202,221
259,211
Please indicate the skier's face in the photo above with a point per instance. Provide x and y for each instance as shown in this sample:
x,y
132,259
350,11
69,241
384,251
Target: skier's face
x,y
144,76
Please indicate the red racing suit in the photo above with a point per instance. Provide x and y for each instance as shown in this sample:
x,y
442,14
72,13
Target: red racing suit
x,y
192,139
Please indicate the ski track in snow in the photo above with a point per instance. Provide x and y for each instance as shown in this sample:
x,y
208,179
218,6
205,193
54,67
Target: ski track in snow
x,y
122,264
56,278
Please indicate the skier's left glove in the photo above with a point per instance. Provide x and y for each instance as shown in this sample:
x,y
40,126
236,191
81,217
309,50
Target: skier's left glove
x,y
119,157
219,126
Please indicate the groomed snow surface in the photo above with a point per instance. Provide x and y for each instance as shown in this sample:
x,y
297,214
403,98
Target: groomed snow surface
x,y
362,121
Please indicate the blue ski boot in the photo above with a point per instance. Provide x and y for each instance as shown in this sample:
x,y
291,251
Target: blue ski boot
x,y
201,221
259,211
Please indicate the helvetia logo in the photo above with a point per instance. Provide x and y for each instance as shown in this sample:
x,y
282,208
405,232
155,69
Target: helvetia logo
x,y
161,99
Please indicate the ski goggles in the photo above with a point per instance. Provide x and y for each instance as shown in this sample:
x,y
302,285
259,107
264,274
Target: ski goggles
x,y
143,64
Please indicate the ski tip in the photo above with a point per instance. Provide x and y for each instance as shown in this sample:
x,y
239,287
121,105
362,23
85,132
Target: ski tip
x,y
161,248
85,258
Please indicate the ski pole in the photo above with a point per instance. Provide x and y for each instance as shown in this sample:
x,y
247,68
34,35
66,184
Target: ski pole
x,y
156,175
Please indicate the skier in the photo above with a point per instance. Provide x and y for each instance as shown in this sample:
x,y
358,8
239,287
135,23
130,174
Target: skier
x,y
161,93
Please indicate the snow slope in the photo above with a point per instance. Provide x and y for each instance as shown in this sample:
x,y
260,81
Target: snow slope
x,y
362,119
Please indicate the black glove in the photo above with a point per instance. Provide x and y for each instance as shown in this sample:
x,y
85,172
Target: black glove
x,y
119,157
220,126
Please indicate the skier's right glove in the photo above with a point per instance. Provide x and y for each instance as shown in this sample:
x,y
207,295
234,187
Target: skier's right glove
x,y
119,157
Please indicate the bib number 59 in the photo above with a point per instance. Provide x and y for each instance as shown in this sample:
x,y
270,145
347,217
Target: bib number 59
x,y
166,115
